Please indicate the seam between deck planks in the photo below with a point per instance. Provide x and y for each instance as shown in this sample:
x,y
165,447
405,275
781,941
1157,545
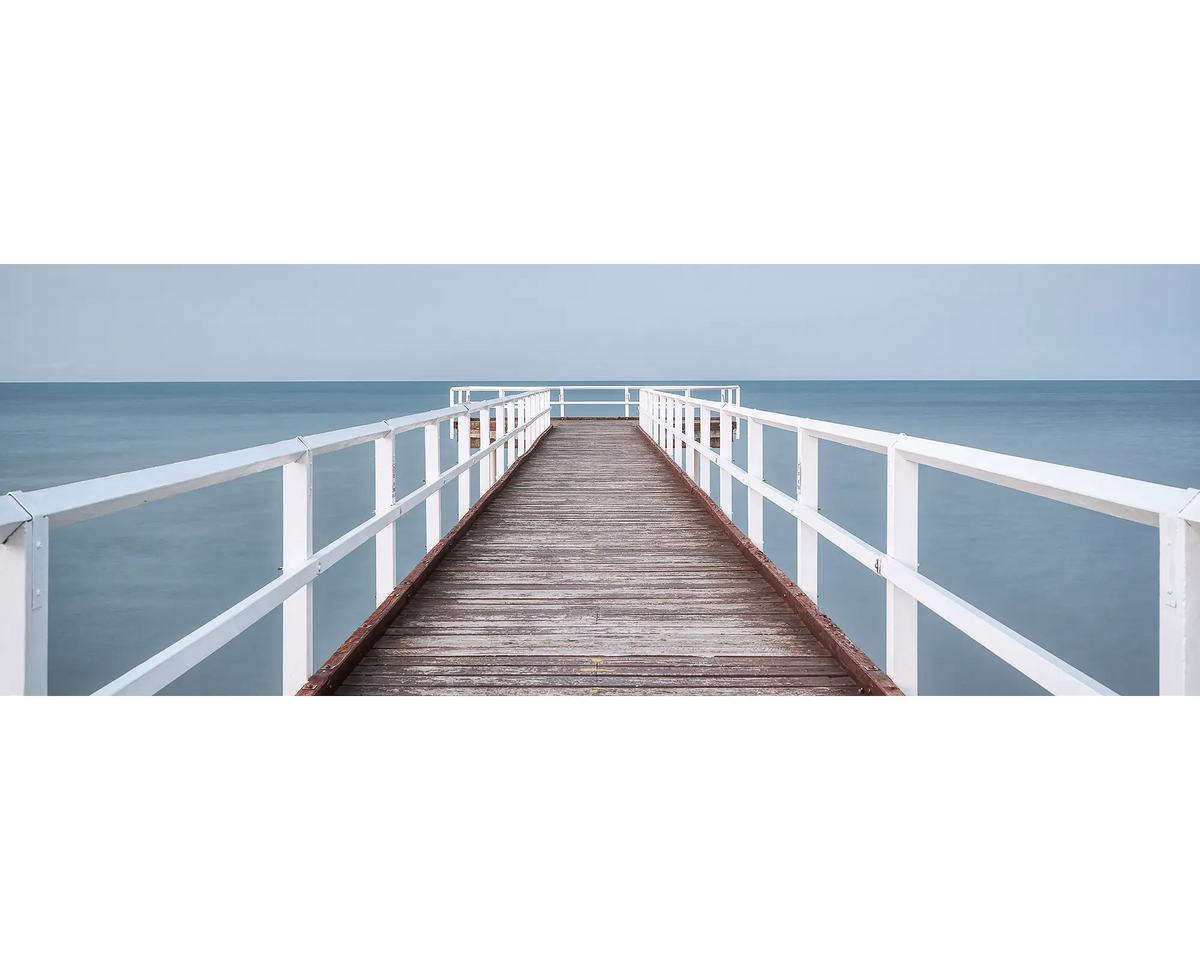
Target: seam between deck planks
x,y
595,572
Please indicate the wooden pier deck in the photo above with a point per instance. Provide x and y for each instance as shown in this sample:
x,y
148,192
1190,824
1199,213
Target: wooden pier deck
x,y
572,578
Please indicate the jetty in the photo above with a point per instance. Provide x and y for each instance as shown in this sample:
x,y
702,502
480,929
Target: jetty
x,y
597,556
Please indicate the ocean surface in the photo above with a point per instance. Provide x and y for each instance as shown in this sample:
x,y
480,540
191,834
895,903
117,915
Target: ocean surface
x,y
1083,585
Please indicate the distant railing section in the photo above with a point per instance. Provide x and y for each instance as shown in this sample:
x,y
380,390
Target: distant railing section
x,y
26,520
727,393
668,420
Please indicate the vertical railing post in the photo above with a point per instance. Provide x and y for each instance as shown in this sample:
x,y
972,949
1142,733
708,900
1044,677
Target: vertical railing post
x,y
297,548
754,499
677,426
689,432
1179,601
385,497
693,426
518,422
562,401
501,429
486,461
726,478
626,403
689,450
433,504
902,476
705,444
498,464
510,416
806,494
669,418
464,454
24,599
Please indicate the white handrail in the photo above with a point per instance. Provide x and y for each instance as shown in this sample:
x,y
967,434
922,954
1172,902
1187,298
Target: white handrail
x,y
26,519
667,420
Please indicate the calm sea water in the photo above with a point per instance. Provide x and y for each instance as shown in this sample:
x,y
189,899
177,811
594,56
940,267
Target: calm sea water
x,y
1082,585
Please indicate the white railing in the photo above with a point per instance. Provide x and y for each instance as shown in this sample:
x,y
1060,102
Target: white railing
x,y
668,420
26,520
728,393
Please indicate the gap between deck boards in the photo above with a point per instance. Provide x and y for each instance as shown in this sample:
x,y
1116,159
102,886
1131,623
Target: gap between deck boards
x,y
445,653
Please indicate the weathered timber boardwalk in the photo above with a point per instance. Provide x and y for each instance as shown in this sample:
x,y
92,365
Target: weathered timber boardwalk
x,y
597,568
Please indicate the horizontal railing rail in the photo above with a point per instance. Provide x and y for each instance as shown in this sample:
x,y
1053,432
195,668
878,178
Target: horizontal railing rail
x,y
26,519
668,419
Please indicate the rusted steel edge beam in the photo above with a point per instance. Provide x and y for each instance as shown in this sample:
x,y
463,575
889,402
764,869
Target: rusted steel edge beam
x,y
860,667
339,666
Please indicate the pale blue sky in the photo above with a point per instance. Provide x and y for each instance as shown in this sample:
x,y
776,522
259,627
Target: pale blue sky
x,y
576,323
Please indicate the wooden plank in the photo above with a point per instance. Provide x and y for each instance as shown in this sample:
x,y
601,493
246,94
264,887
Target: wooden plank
x,y
344,659
593,571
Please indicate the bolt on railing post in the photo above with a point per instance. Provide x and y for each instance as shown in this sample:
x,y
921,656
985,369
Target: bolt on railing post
x,y
726,478
702,463
902,662
433,505
297,548
807,474
464,454
1179,601
754,499
385,497
24,605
